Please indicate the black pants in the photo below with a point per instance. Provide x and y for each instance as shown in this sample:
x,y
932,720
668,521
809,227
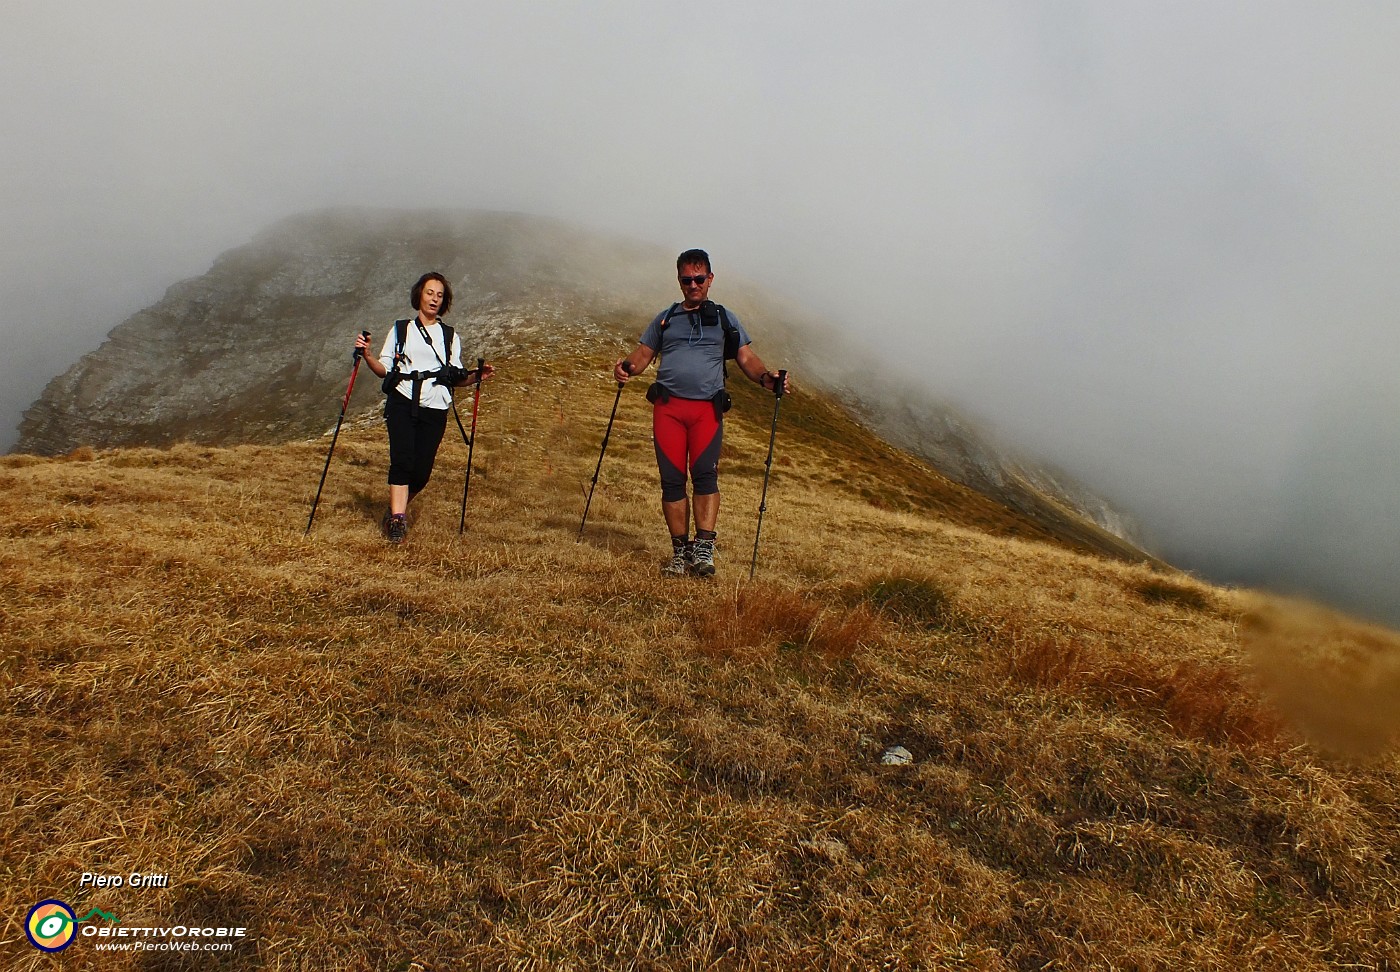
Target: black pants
x,y
413,441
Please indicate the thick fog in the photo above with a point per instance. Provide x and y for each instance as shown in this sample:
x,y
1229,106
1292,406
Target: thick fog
x,y
1152,243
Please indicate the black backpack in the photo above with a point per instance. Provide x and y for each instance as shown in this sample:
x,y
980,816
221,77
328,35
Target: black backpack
x,y
710,315
394,375
401,335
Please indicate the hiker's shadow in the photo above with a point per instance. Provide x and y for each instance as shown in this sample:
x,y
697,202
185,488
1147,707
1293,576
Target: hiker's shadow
x,y
605,537
368,505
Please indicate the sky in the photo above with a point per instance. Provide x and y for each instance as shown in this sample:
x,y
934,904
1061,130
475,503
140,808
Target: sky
x,y
1152,243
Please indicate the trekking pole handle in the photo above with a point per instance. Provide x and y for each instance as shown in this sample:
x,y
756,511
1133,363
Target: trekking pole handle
x,y
781,383
359,352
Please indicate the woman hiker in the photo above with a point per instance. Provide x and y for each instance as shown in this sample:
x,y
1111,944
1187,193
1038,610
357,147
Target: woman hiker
x,y
421,362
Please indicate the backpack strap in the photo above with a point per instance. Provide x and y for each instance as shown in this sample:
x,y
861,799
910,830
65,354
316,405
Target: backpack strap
x,y
400,335
665,321
731,333
447,335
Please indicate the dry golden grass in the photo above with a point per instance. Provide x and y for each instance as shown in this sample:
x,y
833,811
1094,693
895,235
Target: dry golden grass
x,y
517,750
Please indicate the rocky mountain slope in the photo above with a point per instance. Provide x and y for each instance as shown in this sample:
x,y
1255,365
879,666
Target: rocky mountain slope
x,y
256,350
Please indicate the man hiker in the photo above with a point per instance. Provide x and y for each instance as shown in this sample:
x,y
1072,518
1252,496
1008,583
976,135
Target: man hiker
x,y
693,338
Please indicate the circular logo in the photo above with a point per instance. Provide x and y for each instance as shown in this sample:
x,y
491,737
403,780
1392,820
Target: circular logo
x,y
51,925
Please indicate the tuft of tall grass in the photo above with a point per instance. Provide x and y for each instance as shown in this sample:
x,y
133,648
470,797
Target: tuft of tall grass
x,y
1156,590
760,622
911,600
1201,699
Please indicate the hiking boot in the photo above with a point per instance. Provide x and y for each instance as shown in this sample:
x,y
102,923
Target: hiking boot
x,y
702,557
396,528
679,564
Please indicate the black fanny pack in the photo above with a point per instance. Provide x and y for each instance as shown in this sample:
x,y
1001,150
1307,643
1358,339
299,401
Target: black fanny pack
x,y
721,401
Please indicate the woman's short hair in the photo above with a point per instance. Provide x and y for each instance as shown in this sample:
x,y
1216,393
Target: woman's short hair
x,y
415,296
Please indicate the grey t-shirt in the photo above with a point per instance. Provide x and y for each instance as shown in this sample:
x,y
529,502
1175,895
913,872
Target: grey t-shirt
x,y
692,355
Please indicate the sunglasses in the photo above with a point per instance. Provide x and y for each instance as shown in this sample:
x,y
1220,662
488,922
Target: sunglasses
x,y
697,281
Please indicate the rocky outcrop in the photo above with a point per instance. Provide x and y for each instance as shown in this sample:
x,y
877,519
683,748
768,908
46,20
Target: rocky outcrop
x,y
258,348
966,454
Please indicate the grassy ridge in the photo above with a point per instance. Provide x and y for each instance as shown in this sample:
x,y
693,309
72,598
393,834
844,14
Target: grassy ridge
x,y
516,750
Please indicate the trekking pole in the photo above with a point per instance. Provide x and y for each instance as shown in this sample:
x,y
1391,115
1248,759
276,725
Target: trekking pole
x,y
359,353
471,444
767,467
627,368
